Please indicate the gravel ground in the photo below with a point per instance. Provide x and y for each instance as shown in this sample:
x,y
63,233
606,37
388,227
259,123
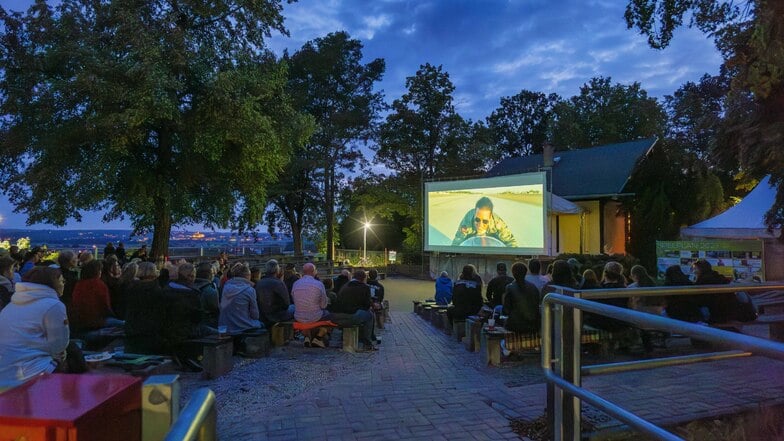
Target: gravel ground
x,y
266,382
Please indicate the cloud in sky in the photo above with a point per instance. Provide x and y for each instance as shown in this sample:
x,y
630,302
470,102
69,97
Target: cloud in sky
x,y
494,48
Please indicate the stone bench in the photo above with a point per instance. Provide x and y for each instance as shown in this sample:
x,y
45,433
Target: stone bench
x,y
252,344
490,344
775,324
216,354
350,332
458,330
473,328
281,333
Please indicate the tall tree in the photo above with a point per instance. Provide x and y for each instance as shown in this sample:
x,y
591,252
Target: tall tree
x,y
424,137
750,35
167,112
604,113
519,126
329,82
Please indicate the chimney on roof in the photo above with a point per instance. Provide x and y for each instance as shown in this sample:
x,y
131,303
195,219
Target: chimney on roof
x,y
547,154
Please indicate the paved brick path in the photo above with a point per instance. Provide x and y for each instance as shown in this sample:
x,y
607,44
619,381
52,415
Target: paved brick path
x,y
423,385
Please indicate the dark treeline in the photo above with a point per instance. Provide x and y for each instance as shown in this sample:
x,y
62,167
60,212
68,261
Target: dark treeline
x,y
194,123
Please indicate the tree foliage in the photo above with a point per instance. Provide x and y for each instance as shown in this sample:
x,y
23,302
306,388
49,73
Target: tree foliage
x,y
167,112
330,82
425,138
520,125
605,113
750,35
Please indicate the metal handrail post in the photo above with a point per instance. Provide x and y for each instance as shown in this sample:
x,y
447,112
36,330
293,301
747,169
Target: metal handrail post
x,y
571,347
198,420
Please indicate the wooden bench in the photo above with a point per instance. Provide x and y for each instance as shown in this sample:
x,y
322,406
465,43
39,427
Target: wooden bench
x,y
444,320
490,344
216,354
436,316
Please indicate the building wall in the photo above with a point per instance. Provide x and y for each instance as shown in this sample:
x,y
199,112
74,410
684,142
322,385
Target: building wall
x,y
614,228
569,230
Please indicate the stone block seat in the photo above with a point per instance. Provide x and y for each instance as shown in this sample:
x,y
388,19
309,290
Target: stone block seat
x,y
214,353
350,333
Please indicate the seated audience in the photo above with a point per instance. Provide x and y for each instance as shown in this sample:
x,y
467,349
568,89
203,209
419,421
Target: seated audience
x,y
239,311
31,259
534,274
7,266
376,288
353,307
204,283
69,266
612,277
33,327
720,307
145,311
342,279
443,289
466,295
290,276
561,275
497,285
682,307
521,302
120,298
310,300
91,305
590,280
272,296
185,318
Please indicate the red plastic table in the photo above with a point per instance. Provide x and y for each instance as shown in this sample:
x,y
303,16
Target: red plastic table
x,y
62,407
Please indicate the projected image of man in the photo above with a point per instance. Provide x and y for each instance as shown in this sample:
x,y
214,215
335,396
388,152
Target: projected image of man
x,y
480,221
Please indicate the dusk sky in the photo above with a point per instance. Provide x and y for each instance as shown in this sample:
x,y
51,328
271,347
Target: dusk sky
x,y
490,49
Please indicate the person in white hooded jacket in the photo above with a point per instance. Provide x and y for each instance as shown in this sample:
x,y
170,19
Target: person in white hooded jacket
x,y
34,326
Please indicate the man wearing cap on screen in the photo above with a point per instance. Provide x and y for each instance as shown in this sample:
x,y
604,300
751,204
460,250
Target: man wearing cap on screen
x,y
482,222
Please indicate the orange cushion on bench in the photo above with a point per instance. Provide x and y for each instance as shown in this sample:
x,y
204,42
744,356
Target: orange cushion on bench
x,y
305,326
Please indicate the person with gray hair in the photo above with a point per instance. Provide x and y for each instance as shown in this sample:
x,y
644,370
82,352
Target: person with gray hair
x,y
272,296
239,311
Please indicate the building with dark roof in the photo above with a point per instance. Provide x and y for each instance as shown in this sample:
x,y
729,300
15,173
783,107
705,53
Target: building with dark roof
x,y
594,178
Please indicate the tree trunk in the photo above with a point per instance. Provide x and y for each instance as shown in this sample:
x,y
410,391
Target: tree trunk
x,y
162,230
329,193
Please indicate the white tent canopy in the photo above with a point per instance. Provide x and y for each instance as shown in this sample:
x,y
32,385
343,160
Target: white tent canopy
x,y
559,205
742,221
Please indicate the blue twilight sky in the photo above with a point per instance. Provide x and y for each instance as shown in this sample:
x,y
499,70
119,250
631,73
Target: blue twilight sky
x,y
490,48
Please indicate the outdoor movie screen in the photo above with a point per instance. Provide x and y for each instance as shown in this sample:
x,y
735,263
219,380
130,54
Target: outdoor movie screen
x,y
501,215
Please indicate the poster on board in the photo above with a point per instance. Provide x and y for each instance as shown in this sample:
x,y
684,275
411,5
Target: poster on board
x,y
739,260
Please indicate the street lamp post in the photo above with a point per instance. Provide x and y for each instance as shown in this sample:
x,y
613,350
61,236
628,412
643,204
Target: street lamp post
x,y
364,242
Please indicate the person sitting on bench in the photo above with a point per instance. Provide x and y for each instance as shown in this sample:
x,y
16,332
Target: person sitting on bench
x,y
239,311
272,296
466,295
310,301
353,307
521,302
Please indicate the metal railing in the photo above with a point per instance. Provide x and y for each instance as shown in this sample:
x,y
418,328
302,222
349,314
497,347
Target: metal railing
x,y
561,351
198,420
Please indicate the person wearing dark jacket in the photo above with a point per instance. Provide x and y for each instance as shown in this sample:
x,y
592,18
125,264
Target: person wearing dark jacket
x,y
721,307
686,308
444,289
612,278
466,295
342,279
204,283
68,266
7,265
353,307
272,296
521,302
497,285
376,288
185,319
145,312
120,253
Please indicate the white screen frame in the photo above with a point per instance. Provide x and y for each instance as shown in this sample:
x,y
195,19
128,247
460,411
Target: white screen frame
x,y
478,184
